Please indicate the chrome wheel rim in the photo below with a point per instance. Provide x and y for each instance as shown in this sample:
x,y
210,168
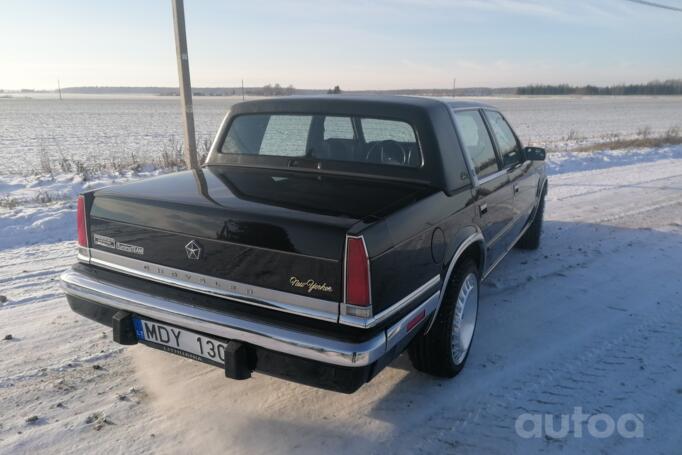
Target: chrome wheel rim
x,y
464,318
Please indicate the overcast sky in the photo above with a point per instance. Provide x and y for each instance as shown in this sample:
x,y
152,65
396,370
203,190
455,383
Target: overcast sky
x,y
378,44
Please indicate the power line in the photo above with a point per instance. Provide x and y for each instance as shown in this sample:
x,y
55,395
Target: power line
x,y
656,5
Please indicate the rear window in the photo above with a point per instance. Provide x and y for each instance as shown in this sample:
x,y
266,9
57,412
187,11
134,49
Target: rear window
x,y
324,137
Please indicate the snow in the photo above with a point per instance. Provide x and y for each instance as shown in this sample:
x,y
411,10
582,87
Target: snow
x,y
592,319
43,207
97,129
563,162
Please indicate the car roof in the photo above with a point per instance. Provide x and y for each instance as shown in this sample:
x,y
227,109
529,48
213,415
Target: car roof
x,y
385,100
461,104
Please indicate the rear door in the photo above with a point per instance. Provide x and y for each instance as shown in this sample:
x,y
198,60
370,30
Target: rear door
x,y
524,182
492,190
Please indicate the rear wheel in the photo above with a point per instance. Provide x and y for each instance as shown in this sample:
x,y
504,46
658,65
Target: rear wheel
x,y
531,238
444,350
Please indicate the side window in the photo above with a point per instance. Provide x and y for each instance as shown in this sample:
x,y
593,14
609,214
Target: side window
x,y
477,142
506,141
286,135
382,130
338,128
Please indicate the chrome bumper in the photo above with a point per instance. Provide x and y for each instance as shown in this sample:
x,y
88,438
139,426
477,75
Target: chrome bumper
x,y
268,336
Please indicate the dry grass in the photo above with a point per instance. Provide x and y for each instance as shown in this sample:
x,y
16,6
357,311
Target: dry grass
x,y
169,158
8,202
51,162
644,139
41,197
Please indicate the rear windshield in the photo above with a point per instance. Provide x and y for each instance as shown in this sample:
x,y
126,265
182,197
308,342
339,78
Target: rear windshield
x,y
324,137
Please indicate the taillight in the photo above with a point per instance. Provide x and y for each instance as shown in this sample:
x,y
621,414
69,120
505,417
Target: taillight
x,y
357,273
80,215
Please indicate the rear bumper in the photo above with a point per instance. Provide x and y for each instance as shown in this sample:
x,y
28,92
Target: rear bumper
x,y
103,296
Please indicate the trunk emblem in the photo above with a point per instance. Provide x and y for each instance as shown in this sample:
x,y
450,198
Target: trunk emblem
x,y
310,285
193,250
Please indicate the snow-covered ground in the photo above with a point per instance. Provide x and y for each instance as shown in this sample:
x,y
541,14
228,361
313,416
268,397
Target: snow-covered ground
x,y
40,209
98,129
591,320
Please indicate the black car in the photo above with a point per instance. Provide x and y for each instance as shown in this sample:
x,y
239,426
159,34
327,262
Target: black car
x,y
323,237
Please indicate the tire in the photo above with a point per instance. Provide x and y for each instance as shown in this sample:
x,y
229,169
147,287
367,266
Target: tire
x,y
435,353
531,239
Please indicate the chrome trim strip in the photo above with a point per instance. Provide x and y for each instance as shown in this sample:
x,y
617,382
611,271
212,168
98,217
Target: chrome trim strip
x,y
278,339
85,250
326,310
83,255
214,145
390,311
491,177
463,246
400,328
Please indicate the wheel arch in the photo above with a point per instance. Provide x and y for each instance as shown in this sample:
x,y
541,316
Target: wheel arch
x,y
542,187
472,244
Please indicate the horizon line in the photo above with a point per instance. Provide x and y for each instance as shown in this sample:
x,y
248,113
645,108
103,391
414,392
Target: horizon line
x,y
478,87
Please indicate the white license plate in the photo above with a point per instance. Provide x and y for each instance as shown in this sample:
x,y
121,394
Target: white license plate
x,y
180,341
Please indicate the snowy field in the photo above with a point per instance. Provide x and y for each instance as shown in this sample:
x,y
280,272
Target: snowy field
x,y
590,320
114,130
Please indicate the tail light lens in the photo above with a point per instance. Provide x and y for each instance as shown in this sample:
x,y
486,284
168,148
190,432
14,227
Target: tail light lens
x,y
80,215
357,273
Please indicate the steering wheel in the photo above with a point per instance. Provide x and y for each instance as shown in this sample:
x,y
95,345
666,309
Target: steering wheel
x,y
387,152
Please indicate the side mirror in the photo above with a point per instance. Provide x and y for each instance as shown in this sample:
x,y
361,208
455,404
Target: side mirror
x,y
534,153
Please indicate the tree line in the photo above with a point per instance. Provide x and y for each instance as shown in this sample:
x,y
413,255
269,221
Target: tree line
x,y
274,90
668,87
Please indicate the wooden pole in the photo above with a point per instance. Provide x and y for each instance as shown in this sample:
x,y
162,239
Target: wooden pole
x,y
190,148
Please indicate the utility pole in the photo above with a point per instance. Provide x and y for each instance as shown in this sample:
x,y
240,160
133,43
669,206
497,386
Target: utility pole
x,y
242,89
59,88
185,85
454,84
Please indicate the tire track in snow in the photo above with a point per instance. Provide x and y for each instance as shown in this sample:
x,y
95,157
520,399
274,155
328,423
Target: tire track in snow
x,y
534,392
611,187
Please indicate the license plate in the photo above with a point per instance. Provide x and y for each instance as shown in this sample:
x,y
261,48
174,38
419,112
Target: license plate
x,y
180,341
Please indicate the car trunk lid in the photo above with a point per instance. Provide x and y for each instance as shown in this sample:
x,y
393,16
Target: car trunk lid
x,y
243,231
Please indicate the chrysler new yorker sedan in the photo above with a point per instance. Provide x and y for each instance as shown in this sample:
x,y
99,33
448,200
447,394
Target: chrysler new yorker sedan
x,y
323,237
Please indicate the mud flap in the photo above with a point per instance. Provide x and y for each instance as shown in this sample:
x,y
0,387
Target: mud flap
x,y
124,329
237,361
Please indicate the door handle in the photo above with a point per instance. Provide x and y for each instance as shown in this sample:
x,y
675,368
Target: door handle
x,y
483,208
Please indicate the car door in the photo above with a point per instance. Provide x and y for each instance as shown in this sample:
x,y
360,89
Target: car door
x,y
492,190
524,182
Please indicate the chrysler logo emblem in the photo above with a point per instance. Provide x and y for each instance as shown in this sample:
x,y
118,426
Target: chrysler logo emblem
x,y
193,250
